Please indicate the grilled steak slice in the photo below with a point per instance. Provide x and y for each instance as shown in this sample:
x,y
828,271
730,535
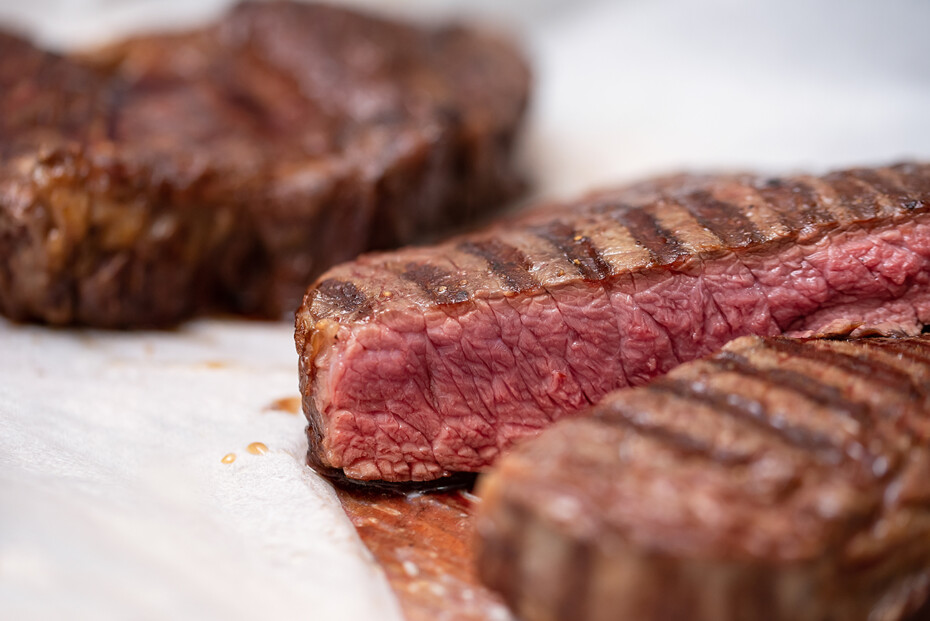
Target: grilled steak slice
x,y
227,167
426,361
777,479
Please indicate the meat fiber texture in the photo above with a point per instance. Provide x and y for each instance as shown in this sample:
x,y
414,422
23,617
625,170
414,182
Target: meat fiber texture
x,y
426,361
777,479
224,168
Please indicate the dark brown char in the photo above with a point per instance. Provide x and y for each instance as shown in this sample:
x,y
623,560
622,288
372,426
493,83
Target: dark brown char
x,y
222,169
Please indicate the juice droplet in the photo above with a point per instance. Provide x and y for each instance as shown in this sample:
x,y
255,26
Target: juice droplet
x,y
257,448
228,458
291,405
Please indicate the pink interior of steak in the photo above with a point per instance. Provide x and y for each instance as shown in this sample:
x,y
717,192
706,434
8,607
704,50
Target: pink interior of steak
x,y
415,395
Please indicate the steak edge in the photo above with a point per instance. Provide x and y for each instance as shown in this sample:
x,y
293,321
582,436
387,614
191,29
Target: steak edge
x,y
775,480
426,361
224,168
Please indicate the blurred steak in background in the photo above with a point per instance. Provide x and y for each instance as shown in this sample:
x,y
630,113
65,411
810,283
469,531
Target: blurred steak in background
x,y
777,479
224,168
426,361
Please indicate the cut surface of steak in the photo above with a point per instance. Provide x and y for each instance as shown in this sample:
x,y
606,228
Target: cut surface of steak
x,y
424,361
226,167
778,479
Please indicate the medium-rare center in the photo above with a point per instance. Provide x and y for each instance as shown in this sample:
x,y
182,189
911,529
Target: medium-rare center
x,y
423,362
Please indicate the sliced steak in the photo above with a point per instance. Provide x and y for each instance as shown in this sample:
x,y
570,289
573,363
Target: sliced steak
x,y
227,167
776,480
425,361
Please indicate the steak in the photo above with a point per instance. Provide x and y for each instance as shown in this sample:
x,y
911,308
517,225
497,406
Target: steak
x,y
776,480
427,361
226,167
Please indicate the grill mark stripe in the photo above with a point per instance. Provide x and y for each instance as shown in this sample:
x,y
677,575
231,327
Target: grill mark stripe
x,y
742,408
725,220
916,180
911,351
911,201
796,204
343,294
577,248
620,413
441,286
818,392
915,391
869,370
882,186
506,262
856,197
662,244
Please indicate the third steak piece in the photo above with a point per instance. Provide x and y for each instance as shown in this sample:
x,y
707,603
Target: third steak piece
x,y
776,480
426,361
228,166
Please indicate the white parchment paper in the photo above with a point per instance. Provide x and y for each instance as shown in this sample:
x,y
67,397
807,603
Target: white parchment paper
x,y
114,502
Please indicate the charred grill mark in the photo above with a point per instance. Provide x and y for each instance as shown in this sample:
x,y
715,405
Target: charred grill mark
x,y
873,371
916,180
882,185
753,411
916,353
910,349
725,220
343,294
648,233
622,414
577,248
507,262
855,196
813,390
441,286
795,203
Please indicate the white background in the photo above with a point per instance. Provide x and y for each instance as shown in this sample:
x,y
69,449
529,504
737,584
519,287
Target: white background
x,y
113,501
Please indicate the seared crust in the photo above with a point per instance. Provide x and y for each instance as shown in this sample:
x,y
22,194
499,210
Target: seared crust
x,y
777,479
608,235
426,361
226,167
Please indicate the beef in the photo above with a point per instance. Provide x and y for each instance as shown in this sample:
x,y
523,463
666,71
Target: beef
x,y
225,168
426,361
777,479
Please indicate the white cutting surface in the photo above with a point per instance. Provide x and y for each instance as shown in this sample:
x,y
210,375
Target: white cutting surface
x,y
113,501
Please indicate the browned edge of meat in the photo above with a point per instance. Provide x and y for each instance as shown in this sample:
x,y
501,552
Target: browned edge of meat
x,y
777,479
426,361
226,167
